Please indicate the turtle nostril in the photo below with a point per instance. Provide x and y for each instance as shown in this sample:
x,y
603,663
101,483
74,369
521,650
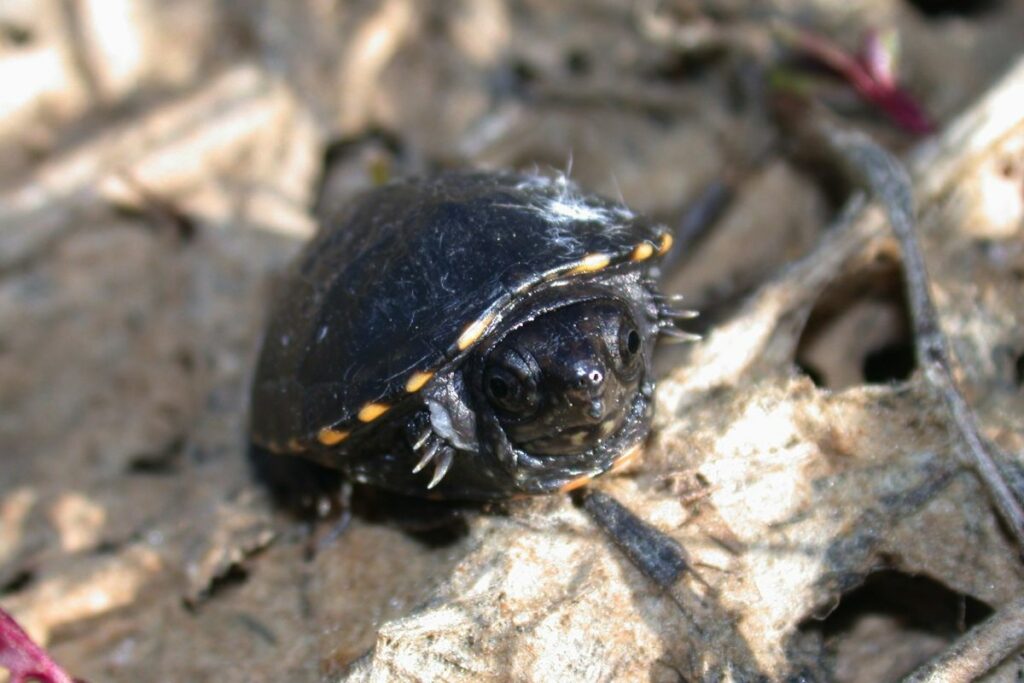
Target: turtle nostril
x,y
587,385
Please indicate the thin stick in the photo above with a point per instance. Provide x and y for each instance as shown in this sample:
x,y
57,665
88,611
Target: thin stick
x,y
888,181
978,651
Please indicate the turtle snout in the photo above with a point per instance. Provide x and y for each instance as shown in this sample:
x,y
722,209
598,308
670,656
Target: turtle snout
x,y
587,392
589,380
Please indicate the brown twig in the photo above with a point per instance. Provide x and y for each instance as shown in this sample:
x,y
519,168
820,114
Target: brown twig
x,y
886,178
979,650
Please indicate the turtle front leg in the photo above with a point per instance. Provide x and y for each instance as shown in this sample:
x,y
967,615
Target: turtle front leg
x,y
448,425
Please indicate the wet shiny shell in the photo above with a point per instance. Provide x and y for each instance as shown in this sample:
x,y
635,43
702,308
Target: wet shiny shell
x,y
407,281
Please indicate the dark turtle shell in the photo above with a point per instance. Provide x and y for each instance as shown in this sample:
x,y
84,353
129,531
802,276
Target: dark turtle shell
x,y
406,282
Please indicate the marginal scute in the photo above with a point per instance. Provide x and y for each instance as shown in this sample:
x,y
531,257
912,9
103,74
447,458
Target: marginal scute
x,y
371,411
591,263
473,332
331,437
642,252
417,380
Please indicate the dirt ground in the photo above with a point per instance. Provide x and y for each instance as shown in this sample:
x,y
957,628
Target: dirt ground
x,y
161,162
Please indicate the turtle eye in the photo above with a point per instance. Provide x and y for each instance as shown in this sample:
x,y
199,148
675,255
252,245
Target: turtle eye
x,y
630,344
510,392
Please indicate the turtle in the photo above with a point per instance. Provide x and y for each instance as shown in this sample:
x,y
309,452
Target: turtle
x,y
470,335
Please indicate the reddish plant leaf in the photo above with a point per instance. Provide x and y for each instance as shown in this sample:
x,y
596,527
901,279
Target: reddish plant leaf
x,y
870,74
25,660
878,57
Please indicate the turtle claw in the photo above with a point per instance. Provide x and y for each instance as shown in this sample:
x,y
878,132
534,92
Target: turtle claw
x,y
428,453
669,313
678,336
435,450
422,438
675,335
441,466
667,319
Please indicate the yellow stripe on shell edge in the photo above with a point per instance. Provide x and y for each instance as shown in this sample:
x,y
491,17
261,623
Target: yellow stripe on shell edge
x,y
331,437
371,411
642,252
591,263
473,332
417,380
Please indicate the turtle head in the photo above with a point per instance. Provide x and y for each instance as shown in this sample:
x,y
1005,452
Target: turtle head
x,y
566,380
